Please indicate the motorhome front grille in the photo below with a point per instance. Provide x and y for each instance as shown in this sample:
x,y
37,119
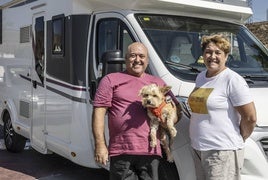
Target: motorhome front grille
x,y
25,109
25,34
264,143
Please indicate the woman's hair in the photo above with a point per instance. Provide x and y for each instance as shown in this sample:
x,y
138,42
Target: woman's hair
x,y
219,40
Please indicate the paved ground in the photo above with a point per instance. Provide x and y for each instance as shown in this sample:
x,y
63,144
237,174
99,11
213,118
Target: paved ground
x,y
30,165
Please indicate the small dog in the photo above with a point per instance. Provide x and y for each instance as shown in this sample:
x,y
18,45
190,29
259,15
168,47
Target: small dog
x,y
162,111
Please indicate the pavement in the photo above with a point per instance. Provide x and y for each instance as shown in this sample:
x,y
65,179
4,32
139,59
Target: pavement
x,y
32,165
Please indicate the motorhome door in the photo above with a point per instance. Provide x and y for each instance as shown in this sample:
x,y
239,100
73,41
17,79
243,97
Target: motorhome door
x,y
38,87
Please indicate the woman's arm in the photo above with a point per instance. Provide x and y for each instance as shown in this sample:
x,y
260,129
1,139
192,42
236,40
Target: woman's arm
x,y
248,119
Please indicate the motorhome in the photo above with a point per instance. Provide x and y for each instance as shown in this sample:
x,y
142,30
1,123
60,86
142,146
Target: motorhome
x,y
53,53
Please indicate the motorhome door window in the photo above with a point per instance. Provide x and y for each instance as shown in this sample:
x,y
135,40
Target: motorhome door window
x,y
58,35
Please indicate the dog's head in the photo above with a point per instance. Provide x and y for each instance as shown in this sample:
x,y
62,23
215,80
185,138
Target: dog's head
x,y
153,95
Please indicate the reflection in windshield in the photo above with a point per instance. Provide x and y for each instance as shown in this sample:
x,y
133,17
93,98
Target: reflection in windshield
x,y
177,41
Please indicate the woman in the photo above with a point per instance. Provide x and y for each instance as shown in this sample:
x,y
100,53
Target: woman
x,y
223,113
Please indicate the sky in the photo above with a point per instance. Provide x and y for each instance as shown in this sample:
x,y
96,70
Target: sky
x,y
259,8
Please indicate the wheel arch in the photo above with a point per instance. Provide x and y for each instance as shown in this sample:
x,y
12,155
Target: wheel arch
x,y
14,142
9,108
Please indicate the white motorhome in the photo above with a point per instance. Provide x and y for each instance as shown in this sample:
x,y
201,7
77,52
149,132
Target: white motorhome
x,y
51,60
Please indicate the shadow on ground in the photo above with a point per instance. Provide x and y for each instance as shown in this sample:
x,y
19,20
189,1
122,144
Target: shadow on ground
x,y
30,164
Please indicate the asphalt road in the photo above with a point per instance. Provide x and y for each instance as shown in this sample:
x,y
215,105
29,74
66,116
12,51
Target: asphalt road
x,y
30,165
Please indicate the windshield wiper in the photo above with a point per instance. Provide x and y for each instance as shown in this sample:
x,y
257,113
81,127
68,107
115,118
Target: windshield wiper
x,y
257,77
248,80
193,69
251,78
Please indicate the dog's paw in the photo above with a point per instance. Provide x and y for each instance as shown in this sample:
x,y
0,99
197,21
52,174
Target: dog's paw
x,y
170,158
153,144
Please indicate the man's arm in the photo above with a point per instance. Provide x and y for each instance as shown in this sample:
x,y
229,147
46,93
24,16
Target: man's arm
x,y
248,119
101,151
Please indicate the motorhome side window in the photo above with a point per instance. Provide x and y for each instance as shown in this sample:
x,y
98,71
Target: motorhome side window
x,y
58,35
112,34
39,47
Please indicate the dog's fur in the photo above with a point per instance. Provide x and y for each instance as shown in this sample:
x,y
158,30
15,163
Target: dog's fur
x,y
162,117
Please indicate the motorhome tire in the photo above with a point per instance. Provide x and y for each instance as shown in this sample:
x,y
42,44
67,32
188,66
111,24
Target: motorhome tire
x,y
13,141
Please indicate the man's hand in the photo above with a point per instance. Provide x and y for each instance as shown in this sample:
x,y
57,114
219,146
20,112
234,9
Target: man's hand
x,y
101,154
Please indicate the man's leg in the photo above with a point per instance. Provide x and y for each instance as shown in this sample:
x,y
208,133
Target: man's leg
x,y
121,167
148,167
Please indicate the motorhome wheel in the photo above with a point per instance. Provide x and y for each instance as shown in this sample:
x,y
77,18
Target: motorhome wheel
x,y
13,141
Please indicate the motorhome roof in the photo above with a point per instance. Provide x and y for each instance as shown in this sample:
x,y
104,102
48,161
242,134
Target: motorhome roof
x,y
5,3
231,9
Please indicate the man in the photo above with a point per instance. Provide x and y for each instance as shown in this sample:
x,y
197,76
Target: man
x,y
131,156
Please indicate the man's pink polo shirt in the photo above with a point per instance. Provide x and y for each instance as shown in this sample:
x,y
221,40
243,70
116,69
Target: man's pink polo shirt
x,y
128,120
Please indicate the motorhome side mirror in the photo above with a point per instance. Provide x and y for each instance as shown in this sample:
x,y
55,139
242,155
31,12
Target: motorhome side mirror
x,y
113,61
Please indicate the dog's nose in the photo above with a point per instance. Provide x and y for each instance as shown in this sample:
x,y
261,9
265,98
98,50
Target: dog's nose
x,y
148,101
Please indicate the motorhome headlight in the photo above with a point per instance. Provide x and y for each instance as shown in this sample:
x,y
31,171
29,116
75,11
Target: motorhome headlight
x,y
185,106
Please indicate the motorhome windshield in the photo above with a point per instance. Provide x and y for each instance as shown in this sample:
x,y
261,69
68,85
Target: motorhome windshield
x,y
177,41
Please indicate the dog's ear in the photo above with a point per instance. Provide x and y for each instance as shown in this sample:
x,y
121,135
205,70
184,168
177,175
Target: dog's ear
x,y
165,89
